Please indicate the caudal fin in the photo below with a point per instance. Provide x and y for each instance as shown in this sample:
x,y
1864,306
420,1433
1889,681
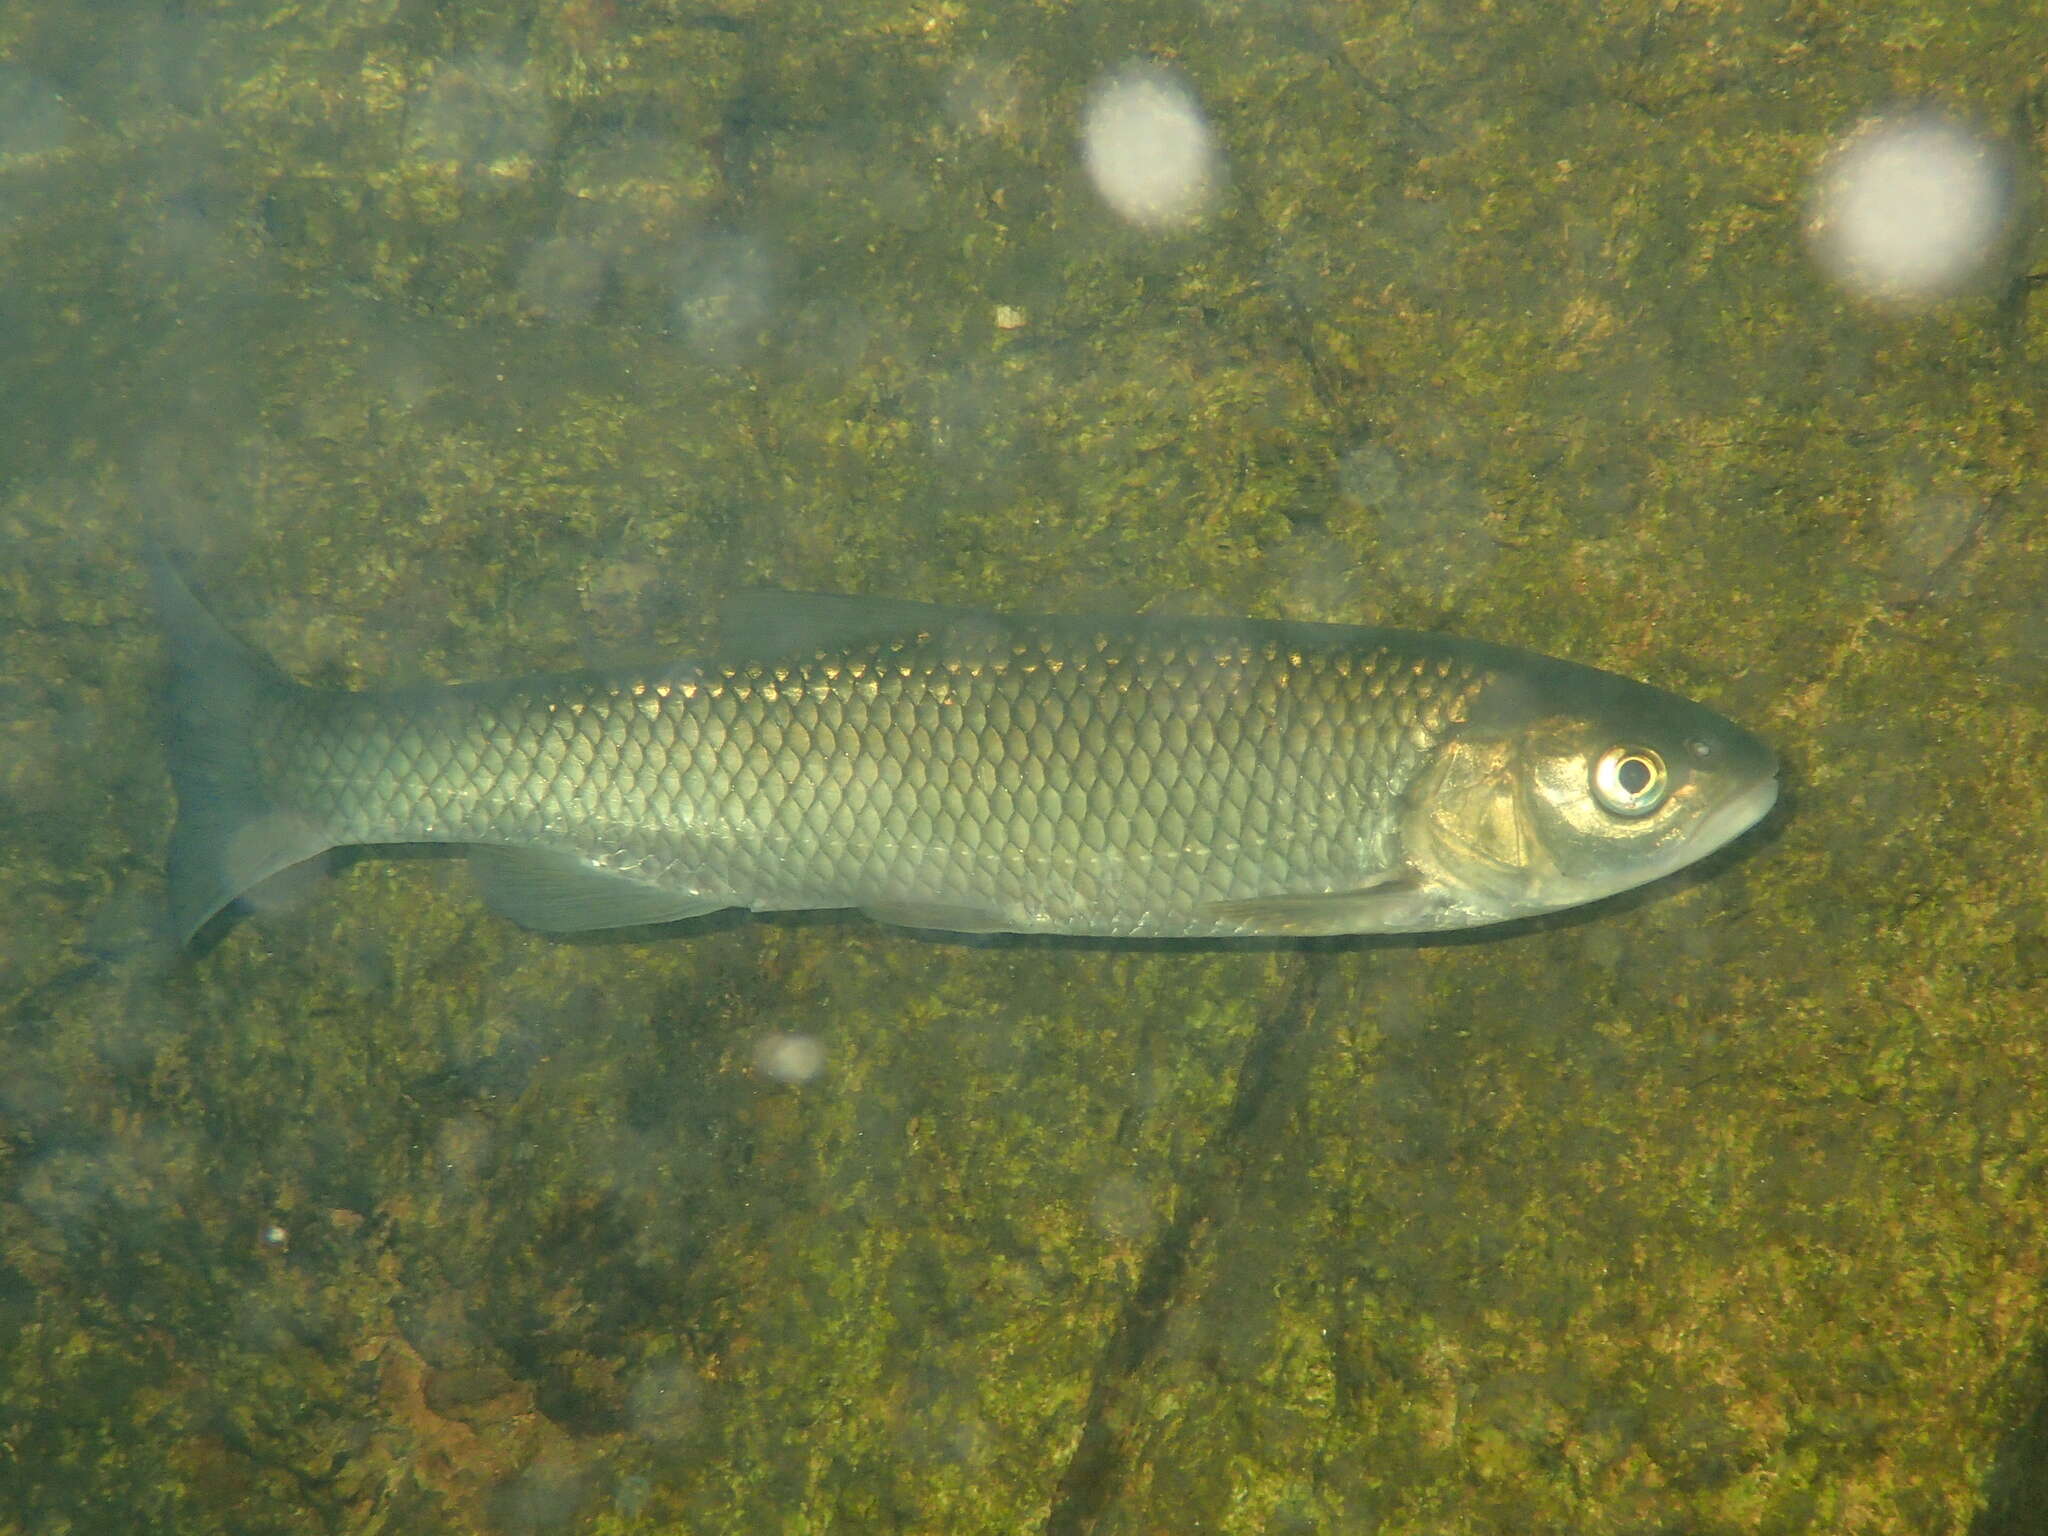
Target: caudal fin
x,y
229,836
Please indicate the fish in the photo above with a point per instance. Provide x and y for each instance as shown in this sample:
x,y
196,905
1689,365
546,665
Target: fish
x,y
971,772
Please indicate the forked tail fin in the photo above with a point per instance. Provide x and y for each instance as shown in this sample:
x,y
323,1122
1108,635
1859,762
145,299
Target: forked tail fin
x,y
229,835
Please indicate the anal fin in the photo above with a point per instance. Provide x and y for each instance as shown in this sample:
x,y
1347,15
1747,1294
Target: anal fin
x,y
564,893
945,919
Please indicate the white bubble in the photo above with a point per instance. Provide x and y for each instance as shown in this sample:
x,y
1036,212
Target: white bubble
x,y
1148,148
789,1058
1910,209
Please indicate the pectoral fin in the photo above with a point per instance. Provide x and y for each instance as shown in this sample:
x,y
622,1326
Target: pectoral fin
x,y
562,893
1397,904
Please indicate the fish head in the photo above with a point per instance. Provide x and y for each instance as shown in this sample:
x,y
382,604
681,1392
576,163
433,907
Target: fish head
x,y
1565,784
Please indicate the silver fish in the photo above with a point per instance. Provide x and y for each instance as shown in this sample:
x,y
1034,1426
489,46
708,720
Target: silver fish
x,y
967,771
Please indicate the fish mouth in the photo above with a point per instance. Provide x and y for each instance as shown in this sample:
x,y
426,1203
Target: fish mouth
x,y
1735,816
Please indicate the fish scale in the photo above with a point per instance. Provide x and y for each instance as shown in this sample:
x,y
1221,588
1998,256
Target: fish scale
x,y
931,766
1136,783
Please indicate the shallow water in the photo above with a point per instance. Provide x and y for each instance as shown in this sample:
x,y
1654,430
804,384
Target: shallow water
x,y
448,344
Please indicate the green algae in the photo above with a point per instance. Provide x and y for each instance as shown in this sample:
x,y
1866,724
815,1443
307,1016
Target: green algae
x,y
424,331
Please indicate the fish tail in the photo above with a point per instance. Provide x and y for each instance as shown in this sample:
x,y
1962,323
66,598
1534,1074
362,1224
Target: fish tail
x,y
230,835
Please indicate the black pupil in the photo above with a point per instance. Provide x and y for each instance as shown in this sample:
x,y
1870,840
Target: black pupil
x,y
1633,775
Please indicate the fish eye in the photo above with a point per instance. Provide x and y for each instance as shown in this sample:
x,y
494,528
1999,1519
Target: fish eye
x,y
1630,781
